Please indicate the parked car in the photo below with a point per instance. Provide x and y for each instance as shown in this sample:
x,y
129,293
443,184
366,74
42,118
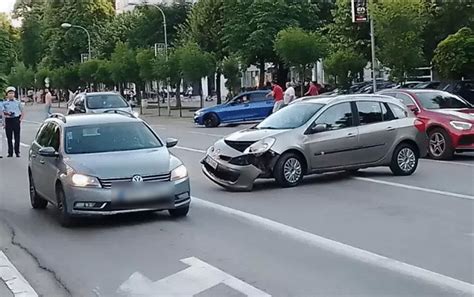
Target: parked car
x,y
428,85
105,164
369,89
464,88
448,118
98,103
346,132
407,85
246,107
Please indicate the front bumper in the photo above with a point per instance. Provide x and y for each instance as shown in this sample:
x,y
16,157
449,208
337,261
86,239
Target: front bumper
x,y
229,176
198,120
464,142
100,201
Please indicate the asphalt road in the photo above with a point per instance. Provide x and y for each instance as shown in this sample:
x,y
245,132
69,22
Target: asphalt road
x,y
336,235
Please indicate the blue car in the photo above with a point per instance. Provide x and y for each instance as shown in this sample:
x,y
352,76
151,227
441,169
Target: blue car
x,y
245,107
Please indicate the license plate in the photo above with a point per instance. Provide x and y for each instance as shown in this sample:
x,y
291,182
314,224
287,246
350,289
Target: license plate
x,y
211,162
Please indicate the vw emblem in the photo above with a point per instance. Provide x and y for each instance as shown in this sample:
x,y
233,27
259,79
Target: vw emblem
x,y
137,179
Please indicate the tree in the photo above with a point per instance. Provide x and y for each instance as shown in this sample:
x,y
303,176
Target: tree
x,y
31,42
118,29
8,41
454,56
344,64
299,49
398,24
145,60
205,26
21,76
123,66
103,74
194,64
87,71
231,71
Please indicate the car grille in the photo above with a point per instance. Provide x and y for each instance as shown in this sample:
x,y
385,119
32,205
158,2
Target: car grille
x,y
466,140
222,173
241,146
108,183
225,158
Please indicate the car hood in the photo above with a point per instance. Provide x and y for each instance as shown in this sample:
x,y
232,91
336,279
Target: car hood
x,y
123,164
466,114
102,110
212,108
253,134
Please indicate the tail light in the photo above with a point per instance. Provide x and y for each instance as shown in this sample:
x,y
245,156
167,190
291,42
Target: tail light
x,y
419,125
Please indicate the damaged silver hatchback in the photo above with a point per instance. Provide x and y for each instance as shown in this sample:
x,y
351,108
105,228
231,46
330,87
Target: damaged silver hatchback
x,y
317,135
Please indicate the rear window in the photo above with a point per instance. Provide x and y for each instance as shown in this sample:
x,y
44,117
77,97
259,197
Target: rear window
x,y
111,137
106,101
436,100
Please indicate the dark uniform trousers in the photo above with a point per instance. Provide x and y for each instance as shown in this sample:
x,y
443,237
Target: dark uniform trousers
x,y
12,129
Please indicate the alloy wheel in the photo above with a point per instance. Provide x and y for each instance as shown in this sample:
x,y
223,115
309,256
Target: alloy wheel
x,y
406,159
292,170
437,144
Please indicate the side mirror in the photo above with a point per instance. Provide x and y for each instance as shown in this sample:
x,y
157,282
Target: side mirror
x,y
318,128
413,108
48,152
171,142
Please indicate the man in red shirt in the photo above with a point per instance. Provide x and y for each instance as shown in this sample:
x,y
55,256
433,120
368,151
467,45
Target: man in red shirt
x,y
313,89
277,94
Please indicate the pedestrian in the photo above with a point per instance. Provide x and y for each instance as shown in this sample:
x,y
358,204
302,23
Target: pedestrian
x,y
48,100
189,91
13,115
313,89
289,94
277,94
2,128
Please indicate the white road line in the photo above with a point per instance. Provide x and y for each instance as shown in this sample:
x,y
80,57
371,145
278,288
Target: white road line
x,y
32,122
206,134
342,249
190,149
448,162
433,191
14,280
24,145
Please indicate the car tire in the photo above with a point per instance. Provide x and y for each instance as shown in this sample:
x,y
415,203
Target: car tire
x,y
69,112
64,217
179,212
404,160
440,145
289,171
36,201
211,120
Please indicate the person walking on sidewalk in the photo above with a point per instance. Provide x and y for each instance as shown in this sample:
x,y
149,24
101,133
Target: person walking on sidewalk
x,y
277,94
48,100
290,94
13,115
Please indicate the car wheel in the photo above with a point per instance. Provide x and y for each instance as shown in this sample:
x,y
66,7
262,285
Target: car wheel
x,y
289,170
211,120
36,201
65,218
404,160
440,147
179,212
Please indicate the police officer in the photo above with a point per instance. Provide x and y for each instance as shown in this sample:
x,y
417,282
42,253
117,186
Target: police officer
x,y
12,117
2,128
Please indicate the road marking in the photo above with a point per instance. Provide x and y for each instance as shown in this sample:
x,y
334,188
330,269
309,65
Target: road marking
x,y
448,162
342,249
24,144
190,149
14,280
191,281
32,122
206,134
433,191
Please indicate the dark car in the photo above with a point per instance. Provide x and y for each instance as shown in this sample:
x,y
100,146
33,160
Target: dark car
x,y
246,107
448,118
428,85
98,102
464,88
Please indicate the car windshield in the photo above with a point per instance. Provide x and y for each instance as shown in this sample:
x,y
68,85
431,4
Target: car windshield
x,y
110,137
290,117
436,100
106,101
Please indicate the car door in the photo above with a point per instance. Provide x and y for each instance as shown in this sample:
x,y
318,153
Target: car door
x,y
376,135
335,146
260,106
50,164
237,110
79,105
37,161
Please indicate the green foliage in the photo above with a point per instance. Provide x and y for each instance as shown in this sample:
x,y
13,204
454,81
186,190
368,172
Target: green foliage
x,y
103,74
31,42
344,64
145,60
123,65
7,45
41,74
231,71
65,77
21,76
454,56
193,62
398,24
88,70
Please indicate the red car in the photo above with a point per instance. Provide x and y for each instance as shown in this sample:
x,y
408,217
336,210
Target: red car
x,y
448,119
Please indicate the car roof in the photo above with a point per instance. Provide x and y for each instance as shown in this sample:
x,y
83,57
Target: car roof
x,y
94,119
100,93
350,97
415,91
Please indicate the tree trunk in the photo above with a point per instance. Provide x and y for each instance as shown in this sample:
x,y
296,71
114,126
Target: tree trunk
x,y
218,86
262,74
200,95
178,95
303,73
282,74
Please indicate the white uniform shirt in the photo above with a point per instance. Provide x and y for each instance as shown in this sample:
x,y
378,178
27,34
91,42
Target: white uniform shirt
x,y
289,95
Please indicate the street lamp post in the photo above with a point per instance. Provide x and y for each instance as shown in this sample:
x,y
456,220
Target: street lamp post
x,y
165,30
68,25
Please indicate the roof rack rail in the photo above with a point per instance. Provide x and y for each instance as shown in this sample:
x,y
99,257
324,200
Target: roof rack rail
x,y
58,116
122,112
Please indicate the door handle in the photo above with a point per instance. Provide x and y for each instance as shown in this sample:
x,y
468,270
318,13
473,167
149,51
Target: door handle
x,y
351,135
42,161
390,129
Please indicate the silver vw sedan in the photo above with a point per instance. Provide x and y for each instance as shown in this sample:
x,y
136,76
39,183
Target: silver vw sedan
x,y
104,164
317,135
